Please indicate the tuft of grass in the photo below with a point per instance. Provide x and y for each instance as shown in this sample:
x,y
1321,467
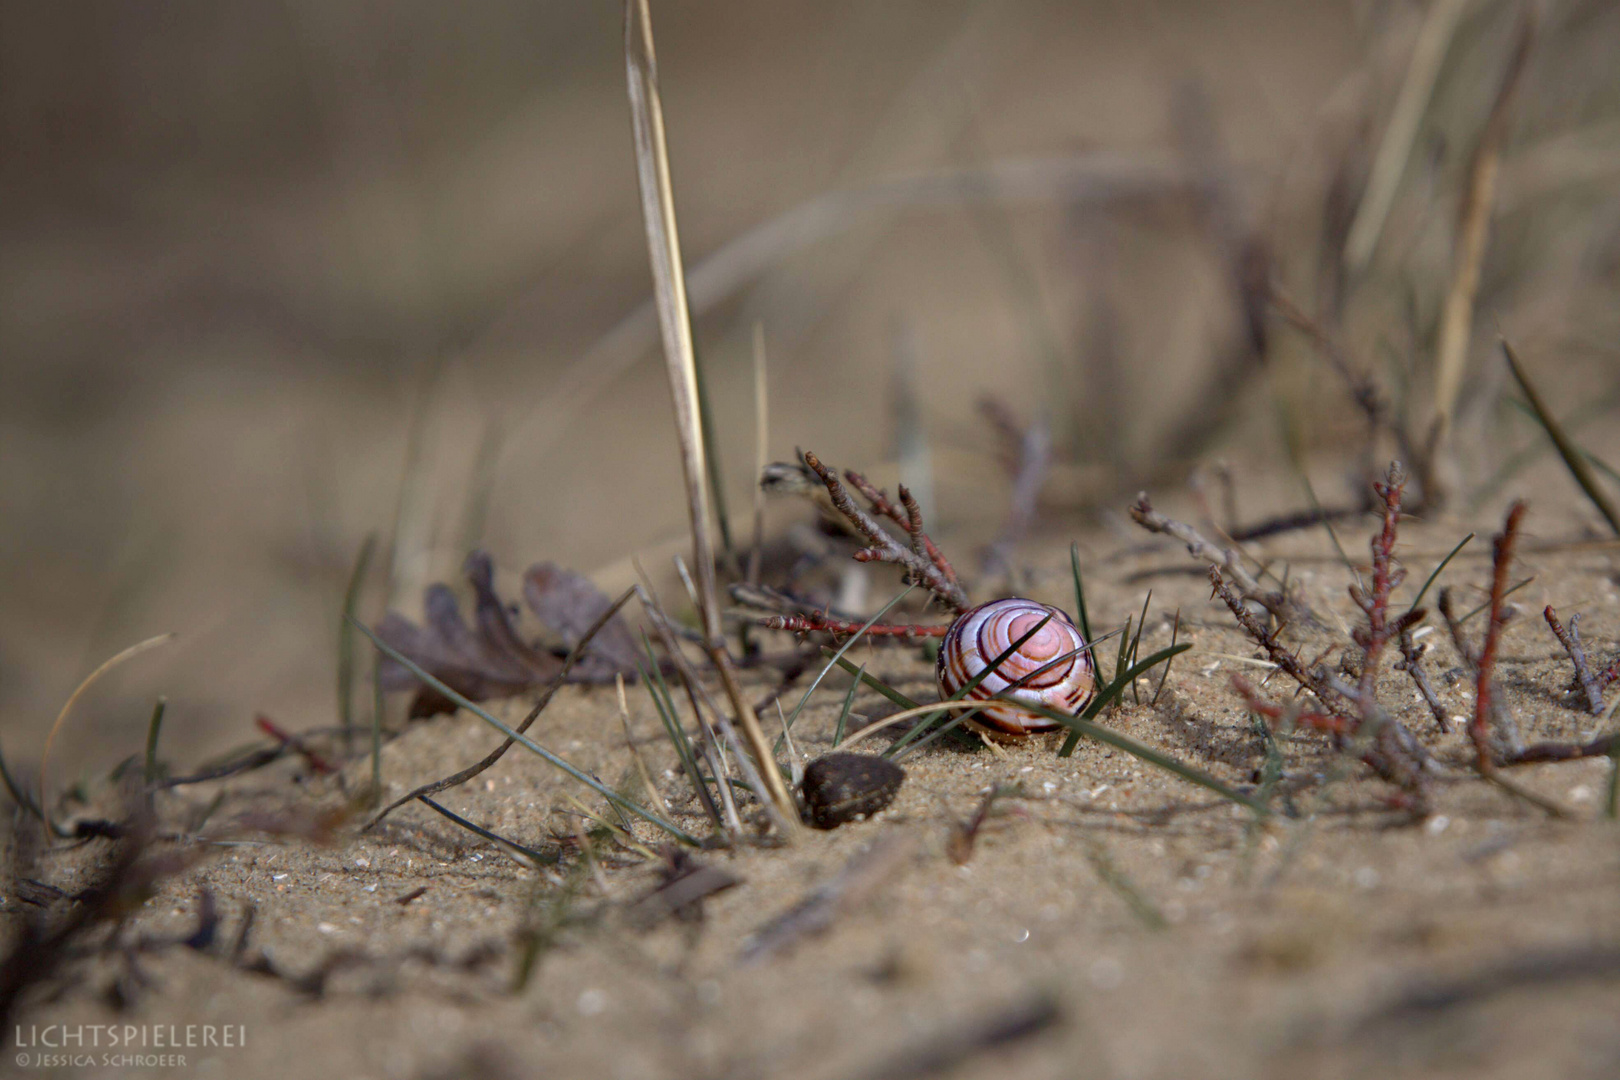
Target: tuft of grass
x,y
665,705
524,741
1574,459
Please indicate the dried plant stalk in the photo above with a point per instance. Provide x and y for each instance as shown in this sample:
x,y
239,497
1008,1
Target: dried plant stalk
x,y
669,290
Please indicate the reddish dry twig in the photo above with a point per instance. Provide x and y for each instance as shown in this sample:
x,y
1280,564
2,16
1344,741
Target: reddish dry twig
x,y
1284,719
1283,657
1386,576
1502,551
809,623
1570,639
1360,724
922,561
295,743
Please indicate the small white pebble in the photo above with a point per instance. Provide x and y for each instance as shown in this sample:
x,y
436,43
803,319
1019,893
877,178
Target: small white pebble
x,y
1459,719
278,877
476,857
1027,768
326,928
364,864
1020,936
1437,825
370,888
1048,787
1580,793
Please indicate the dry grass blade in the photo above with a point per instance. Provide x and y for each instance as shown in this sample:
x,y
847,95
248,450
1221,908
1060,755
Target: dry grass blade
x,y
669,287
73,699
1395,149
675,327
1574,459
1473,230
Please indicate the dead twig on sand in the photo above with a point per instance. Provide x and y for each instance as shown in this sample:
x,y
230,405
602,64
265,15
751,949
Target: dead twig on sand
x,y
1224,560
1570,639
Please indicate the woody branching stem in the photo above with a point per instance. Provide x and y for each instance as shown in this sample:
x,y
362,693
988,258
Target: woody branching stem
x,y
1228,560
1352,715
1570,639
921,560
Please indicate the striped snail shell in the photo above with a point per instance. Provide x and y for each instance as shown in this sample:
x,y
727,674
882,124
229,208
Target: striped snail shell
x,y
981,634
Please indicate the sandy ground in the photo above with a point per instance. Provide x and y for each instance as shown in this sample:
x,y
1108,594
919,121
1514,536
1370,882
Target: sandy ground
x,y
284,279
1171,933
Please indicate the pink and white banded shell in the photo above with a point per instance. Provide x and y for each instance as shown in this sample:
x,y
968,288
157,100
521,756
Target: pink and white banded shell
x,y
983,633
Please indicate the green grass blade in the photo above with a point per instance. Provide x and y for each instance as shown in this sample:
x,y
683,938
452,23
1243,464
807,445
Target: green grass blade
x,y
1136,642
849,701
1418,599
1112,690
1574,459
1079,592
1506,593
523,740
842,649
671,719
874,682
1081,726
1175,633
539,858
153,730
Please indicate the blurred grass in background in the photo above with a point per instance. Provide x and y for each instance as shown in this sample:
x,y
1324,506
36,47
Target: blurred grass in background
x,y
277,276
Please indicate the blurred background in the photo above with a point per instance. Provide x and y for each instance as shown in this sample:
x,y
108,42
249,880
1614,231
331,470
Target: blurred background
x,y
280,276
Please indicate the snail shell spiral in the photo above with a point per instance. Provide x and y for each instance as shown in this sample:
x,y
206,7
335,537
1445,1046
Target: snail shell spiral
x,y
983,633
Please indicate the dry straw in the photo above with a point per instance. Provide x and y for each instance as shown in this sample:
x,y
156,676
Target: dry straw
x,y
669,291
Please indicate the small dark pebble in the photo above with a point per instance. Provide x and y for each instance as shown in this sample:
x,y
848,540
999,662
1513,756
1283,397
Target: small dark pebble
x,y
847,787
